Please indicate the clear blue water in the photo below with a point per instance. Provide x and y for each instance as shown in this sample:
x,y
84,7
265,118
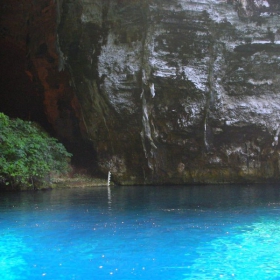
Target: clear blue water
x,y
198,232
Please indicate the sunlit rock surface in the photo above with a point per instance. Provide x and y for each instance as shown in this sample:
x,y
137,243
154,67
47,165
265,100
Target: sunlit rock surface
x,y
171,91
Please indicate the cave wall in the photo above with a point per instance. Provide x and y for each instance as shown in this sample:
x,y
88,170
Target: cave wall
x,y
166,92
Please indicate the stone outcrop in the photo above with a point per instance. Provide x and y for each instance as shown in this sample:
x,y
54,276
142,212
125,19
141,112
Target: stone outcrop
x,y
166,91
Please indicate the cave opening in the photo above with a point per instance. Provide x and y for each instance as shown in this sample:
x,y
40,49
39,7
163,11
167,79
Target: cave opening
x,y
22,96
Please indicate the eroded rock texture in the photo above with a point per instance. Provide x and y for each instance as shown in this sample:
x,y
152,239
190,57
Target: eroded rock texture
x,y
168,91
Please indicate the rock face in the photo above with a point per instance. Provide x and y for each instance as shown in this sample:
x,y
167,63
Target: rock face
x,y
168,91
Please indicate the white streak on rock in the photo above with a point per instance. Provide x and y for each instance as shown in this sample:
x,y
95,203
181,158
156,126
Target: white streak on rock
x,y
152,89
199,78
259,83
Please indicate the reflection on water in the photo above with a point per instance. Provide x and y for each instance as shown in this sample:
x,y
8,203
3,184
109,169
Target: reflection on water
x,y
109,197
194,232
12,263
148,197
251,252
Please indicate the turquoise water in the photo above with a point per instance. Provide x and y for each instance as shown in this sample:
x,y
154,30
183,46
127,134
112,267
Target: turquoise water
x,y
198,232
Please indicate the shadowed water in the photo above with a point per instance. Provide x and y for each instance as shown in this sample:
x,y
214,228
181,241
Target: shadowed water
x,y
198,232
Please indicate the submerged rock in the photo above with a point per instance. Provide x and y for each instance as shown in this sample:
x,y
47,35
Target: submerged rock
x,y
174,91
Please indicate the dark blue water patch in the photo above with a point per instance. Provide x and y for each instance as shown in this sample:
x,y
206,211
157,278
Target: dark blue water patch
x,y
197,232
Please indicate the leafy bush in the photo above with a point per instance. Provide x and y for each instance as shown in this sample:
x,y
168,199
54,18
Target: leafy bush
x,y
27,154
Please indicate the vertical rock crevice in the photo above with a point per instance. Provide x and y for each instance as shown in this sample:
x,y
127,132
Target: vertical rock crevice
x,y
147,92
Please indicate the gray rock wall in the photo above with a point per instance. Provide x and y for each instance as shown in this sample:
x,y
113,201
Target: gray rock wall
x,y
176,91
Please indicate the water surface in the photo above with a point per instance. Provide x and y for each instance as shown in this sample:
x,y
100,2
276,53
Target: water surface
x,y
197,232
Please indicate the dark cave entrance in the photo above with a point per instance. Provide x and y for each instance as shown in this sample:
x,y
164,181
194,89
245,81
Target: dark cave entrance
x,y
22,96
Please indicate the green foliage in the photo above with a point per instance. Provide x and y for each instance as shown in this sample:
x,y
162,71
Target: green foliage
x,y
27,154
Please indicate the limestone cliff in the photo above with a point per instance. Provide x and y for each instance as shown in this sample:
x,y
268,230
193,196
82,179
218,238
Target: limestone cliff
x,y
166,91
